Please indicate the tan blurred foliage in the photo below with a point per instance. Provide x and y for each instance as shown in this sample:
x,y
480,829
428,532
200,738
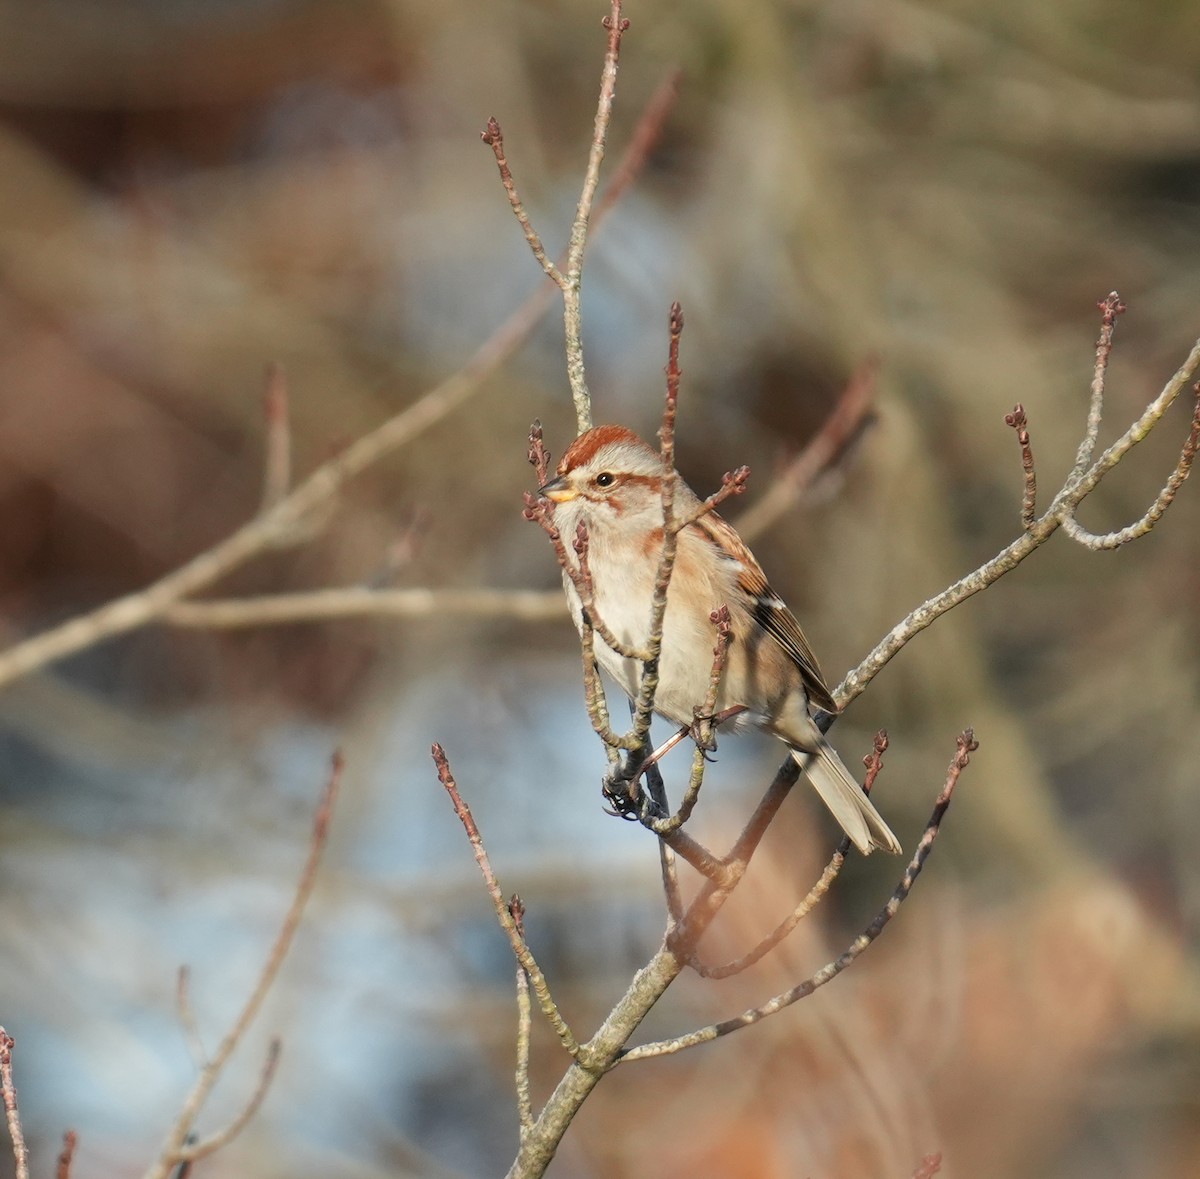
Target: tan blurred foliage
x,y
188,192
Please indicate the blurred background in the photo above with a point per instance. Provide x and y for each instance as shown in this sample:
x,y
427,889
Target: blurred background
x,y
190,191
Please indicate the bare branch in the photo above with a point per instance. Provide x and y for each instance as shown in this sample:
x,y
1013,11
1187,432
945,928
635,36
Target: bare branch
x,y
703,729
541,512
539,456
197,1150
524,1020
8,1091
361,602
63,1168
187,1017
966,746
616,25
1110,307
522,952
1114,540
1017,420
494,138
175,1147
648,685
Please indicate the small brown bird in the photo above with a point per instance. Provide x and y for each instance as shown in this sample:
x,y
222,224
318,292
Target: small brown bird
x,y
612,481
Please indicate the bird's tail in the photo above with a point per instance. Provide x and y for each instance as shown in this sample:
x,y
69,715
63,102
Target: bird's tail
x,y
845,798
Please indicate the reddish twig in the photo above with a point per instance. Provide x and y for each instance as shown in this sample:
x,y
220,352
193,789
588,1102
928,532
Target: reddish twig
x,y
644,704
522,952
539,456
494,138
63,1168
1018,422
8,1090
1110,307
703,728
929,1166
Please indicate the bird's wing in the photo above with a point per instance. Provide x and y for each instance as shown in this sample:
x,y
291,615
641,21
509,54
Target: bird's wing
x,y
769,610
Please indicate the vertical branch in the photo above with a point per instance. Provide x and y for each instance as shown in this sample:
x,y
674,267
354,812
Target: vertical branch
x,y
644,706
524,1020
8,1089
1110,307
1018,422
616,25
63,1168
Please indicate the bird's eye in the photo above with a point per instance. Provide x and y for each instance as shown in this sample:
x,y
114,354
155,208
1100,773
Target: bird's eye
x,y
605,479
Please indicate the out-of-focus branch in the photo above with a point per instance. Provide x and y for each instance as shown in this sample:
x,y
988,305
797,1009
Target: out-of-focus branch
x,y
8,1091
62,1169
524,1025
359,602
286,521
198,1150
176,1148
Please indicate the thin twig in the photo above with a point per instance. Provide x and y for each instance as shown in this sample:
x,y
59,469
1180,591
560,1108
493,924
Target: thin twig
x,y
1164,499
1018,422
277,461
648,684
524,1025
966,746
522,952
540,511
187,1017
494,138
8,1090
703,727
62,1169
197,1150
616,25
173,1150
1110,307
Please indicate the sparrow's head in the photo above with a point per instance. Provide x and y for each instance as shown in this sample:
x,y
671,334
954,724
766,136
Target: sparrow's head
x,y
610,472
